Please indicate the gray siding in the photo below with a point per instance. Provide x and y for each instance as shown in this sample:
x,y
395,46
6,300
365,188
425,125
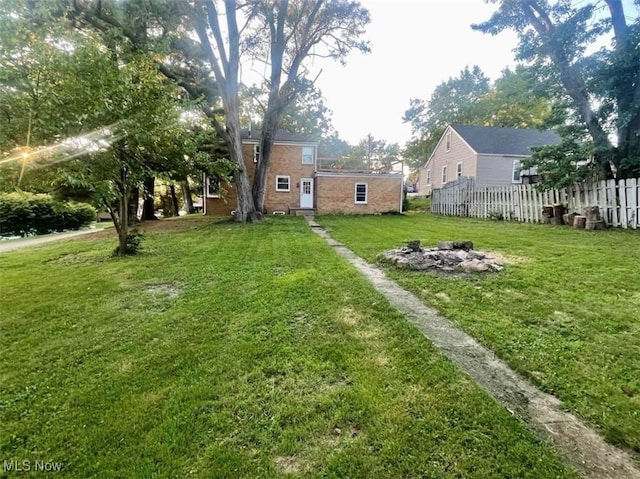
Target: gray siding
x,y
495,170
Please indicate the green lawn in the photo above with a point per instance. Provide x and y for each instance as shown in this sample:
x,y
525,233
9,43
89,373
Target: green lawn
x,y
565,313
228,351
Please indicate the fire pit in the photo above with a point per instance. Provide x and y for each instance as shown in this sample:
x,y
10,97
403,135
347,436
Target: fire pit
x,y
447,257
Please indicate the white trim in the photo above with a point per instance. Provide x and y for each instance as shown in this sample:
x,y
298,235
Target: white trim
x,y
207,183
447,141
358,175
463,140
366,194
247,141
256,152
288,183
513,172
444,175
313,155
503,155
307,196
428,177
458,169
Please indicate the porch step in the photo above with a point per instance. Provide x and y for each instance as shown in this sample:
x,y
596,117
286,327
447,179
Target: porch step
x,y
302,211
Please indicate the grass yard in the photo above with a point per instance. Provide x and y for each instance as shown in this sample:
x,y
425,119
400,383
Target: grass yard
x,y
565,313
225,351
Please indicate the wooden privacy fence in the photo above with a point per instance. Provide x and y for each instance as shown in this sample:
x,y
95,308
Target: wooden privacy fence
x,y
619,201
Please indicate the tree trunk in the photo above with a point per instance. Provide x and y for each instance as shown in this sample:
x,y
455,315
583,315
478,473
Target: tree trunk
x,y
174,200
245,211
558,212
148,207
186,196
571,78
134,200
579,222
123,213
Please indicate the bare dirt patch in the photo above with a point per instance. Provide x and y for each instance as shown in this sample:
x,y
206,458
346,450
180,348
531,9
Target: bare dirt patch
x,y
287,464
169,290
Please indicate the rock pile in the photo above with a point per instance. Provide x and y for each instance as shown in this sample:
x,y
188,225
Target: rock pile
x,y
447,257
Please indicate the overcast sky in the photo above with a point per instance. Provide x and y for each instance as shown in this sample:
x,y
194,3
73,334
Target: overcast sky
x,y
415,45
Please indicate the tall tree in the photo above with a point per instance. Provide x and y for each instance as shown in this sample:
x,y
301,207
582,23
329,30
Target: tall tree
x,y
370,154
95,109
453,100
603,88
284,35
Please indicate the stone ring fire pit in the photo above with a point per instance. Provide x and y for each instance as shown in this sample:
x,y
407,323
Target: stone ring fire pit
x,y
447,257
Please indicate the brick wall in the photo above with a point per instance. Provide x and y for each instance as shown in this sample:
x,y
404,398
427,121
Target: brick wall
x,y
336,194
286,160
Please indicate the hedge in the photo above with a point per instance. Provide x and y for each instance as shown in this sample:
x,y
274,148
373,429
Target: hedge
x,y
23,214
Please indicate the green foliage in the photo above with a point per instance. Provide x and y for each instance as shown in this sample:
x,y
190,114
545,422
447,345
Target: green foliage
x,y
512,101
132,244
370,154
565,164
597,90
578,342
419,204
27,214
257,355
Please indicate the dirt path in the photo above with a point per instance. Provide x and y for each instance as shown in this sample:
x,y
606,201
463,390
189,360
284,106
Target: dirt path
x,y
577,444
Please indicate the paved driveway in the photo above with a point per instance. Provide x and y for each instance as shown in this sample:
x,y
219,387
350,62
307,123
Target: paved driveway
x,y
10,245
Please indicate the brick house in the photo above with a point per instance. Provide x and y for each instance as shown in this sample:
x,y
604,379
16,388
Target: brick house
x,y
296,185
489,155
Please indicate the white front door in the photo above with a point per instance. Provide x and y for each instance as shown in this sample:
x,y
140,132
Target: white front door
x,y
306,192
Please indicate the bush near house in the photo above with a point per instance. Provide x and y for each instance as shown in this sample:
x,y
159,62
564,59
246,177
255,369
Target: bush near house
x,y
25,214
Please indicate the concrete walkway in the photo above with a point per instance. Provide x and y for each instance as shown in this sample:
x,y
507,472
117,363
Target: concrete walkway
x,y
10,245
579,445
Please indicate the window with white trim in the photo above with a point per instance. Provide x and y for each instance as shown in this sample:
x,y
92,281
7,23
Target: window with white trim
x,y
361,193
256,153
447,141
283,183
444,174
307,155
516,174
459,169
428,177
213,187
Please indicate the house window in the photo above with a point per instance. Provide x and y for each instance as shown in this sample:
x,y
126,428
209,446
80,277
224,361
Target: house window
x,y
447,141
516,177
361,193
459,169
213,187
256,153
444,174
307,155
428,177
283,183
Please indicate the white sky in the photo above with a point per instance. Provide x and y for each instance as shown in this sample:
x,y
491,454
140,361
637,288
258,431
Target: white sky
x,y
415,45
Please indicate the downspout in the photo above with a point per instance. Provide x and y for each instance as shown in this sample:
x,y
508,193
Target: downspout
x,y
401,185
315,177
204,194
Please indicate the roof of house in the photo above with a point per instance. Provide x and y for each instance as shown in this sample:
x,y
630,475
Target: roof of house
x,y
281,135
505,141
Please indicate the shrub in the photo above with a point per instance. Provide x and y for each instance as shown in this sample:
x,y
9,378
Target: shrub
x,y
26,213
133,244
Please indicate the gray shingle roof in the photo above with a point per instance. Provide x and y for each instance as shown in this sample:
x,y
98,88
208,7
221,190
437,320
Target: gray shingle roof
x,y
505,141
